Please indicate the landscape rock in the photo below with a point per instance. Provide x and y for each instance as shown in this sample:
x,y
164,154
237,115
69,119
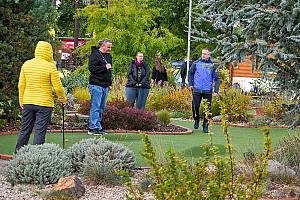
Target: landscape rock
x,y
71,185
217,118
274,167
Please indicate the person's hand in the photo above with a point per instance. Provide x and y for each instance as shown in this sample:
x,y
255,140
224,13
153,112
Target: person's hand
x,y
108,66
152,83
191,88
165,84
159,83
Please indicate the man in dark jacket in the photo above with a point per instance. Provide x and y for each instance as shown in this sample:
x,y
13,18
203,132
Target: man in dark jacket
x,y
183,71
202,74
100,64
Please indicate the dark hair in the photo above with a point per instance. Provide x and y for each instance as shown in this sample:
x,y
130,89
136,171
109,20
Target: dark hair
x,y
158,64
104,41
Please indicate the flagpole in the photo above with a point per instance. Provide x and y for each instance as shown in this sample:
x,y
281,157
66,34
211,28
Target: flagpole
x,y
189,38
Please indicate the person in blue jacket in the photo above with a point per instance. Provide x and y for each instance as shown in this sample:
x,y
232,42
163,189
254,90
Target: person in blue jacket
x,y
201,77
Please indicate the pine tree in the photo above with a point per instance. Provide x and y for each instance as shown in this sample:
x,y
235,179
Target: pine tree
x,y
22,25
266,30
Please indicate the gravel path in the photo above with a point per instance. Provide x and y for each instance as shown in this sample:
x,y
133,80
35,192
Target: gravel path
x,y
30,192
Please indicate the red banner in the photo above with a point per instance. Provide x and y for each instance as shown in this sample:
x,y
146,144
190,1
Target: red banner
x,y
69,43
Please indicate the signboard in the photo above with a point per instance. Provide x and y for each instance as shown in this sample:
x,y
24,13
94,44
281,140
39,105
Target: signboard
x,y
69,43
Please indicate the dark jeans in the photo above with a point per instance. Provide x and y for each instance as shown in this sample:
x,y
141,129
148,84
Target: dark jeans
x,y
197,98
37,117
138,95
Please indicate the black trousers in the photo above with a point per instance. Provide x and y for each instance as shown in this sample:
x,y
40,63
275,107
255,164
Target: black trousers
x,y
197,98
37,117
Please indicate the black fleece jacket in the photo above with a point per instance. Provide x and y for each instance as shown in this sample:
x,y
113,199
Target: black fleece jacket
x,y
100,75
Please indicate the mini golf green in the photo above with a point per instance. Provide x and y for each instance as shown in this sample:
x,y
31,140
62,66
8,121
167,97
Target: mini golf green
x,y
243,139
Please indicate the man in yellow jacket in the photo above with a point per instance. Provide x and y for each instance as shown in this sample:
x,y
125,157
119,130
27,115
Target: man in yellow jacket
x,y
37,77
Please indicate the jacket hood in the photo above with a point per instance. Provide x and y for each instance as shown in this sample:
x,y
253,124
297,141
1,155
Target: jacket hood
x,y
44,51
206,61
94,49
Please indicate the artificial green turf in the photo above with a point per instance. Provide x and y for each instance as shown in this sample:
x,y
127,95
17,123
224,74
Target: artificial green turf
x,y
187,145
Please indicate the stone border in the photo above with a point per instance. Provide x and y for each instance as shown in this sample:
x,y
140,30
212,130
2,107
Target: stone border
x,y
249,126
6,157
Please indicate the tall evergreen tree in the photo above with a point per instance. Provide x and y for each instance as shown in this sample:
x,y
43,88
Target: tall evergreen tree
x,y
266,30
22,24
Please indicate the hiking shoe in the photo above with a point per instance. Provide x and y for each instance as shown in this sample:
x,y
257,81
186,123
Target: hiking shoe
x,y
98,133
205,128
196,124
93,131
103,132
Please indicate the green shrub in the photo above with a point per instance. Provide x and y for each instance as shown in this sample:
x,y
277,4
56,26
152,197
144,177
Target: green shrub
x,y
56,195
82,94
170,99
99,171
215,109
185,115
236,104
38,164
287,152
260,121
212,177
78,78
163,116
100,150
272,108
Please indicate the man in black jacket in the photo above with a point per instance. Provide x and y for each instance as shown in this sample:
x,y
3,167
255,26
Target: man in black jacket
x,y
183,70
100,64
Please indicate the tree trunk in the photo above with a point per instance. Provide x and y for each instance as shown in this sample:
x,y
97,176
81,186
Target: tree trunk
x,y
76,25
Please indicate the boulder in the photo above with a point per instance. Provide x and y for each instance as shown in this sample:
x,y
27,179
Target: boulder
x,y
274,167
217,118
70,185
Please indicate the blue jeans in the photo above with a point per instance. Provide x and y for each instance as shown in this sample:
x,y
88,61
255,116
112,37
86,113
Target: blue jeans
x,y
138,95
98,102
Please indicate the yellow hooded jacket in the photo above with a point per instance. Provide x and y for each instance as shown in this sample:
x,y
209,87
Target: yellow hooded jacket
x,y
37,77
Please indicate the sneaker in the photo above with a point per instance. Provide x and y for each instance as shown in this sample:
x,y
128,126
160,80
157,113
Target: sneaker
x,y
196,124
94,132
103,132
91,131
98,132
205,128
